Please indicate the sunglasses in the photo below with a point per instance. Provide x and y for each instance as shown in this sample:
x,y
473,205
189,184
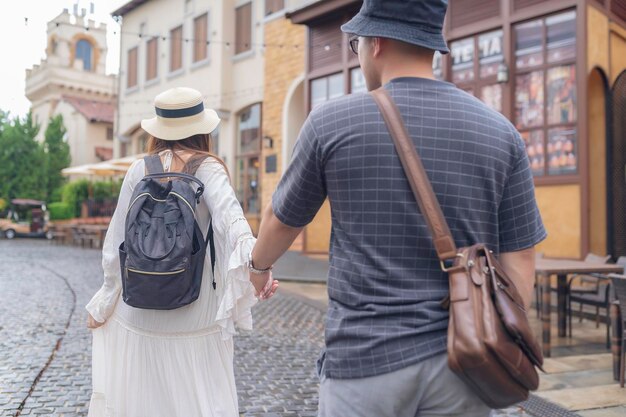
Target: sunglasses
x,y
354,44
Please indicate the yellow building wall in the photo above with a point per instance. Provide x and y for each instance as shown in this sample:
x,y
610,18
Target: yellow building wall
x,y
282,67
597,164
560,210
317,234
617,41
597,40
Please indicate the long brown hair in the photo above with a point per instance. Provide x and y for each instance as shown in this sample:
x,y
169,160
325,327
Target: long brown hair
x,y
200,146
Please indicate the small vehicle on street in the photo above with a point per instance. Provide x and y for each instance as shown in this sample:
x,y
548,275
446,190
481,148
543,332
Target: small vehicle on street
x,y
26,218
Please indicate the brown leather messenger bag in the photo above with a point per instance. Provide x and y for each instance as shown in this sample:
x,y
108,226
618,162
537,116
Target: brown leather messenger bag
x,y
490,344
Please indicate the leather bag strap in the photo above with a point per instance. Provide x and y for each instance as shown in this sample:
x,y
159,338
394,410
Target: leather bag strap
x,y
415,173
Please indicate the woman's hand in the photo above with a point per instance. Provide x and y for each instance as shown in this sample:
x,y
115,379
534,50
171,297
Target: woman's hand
x,y
92,323
265,286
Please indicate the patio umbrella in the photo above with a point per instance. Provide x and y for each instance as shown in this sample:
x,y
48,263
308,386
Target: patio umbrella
x,y
77,170
127,160
106,169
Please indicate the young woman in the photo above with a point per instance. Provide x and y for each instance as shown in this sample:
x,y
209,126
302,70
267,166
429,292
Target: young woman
x,y
177,363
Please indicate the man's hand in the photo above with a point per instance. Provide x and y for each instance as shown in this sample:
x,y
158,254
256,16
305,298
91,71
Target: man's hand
x,y
92,323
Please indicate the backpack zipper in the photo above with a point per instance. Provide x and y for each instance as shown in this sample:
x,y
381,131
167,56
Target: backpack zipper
x,y
155,273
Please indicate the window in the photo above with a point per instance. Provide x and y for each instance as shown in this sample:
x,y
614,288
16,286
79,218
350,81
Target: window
x,y
273,6
200,38
84,53
151,59
326,88
176,48
131,78
545,93
248,158
109,133
243,28
438,65
475,63
357,81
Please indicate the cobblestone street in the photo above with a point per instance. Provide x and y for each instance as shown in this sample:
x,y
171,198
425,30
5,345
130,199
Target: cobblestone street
x,y
45,354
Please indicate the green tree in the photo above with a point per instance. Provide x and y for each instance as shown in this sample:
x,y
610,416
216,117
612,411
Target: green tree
x,y
21,159
57,154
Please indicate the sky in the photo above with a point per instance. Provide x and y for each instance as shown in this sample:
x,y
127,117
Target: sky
x,y
23,44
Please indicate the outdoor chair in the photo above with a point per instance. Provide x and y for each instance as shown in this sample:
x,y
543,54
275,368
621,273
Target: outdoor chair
x,y
619,283
592,290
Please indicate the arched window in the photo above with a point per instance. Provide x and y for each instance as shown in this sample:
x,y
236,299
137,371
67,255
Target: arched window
x,y
84,53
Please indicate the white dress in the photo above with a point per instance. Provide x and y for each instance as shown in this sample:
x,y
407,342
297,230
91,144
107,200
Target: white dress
x,y
176,363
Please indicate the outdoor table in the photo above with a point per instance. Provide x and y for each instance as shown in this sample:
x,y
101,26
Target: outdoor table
x,y
97,230
545,268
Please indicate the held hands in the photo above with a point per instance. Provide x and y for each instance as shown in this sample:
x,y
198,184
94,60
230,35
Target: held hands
x,y
264,284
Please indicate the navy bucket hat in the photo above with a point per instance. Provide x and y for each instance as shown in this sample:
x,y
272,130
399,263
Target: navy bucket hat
x,y
418,22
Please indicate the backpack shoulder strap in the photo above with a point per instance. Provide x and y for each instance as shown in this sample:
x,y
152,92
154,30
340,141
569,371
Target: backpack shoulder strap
x,y
153,164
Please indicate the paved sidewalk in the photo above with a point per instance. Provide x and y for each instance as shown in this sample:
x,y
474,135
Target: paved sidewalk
x,y
45,356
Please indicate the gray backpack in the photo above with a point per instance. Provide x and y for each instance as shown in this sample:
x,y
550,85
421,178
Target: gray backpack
x,y
162,256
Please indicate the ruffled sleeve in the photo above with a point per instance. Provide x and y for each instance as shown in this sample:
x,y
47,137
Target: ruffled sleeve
x,y
103,302
234,242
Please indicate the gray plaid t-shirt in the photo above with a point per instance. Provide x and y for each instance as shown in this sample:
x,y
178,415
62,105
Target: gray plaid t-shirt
x,y
385,283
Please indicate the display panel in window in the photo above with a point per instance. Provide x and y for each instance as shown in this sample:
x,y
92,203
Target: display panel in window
x,y
561,84
535,149
529,100
562,151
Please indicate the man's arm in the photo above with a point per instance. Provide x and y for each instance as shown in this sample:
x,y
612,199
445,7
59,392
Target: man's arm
x,y
520,267
274,239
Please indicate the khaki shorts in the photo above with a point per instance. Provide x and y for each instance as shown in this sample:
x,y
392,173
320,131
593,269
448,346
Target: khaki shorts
x,y
426,389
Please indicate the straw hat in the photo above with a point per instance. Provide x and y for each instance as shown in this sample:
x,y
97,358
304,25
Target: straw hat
x,y
180,114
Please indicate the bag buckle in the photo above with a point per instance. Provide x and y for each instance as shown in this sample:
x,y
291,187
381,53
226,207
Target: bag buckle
x,y
445,268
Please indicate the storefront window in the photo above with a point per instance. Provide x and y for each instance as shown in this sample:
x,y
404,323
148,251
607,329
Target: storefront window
x,y
491,95
561,151
249,149
545,55
534,148
462,53
466,64
529,100
561,37
438,65
562,94
490,53
326,88
357,81
529,44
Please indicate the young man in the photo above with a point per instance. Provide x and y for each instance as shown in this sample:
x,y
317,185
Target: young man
x,y
386,329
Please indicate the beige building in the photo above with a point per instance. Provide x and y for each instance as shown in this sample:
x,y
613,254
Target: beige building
x,y
213,46
71,81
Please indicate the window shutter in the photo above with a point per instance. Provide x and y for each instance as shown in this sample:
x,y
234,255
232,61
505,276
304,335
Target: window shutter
x,y
521,4
200,38
325,44
464,12
176,48
131,79
151,59
243,28
619,8
273,6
